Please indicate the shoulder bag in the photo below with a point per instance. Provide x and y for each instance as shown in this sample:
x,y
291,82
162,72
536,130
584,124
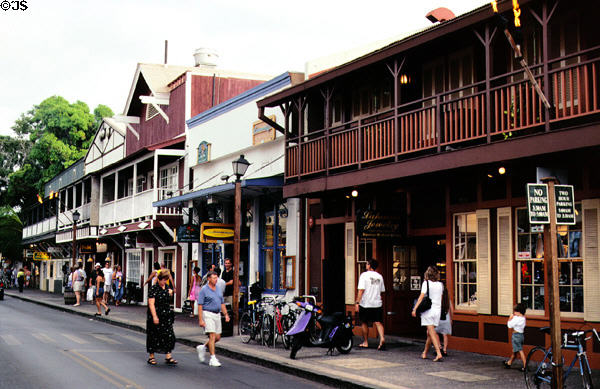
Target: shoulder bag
x,y
425,303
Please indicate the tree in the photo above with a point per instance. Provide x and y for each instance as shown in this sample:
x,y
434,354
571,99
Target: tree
x,y
60,133
12,157
10,234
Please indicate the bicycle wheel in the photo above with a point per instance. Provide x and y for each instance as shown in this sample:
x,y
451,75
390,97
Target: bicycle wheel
x,y
245,328
587,374
267,329
287,321
538,369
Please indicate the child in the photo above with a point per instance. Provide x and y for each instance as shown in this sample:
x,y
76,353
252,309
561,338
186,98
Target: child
x,y
516,321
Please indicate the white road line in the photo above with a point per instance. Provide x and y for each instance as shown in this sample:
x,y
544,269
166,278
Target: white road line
x,y
10,340
43,337
74,338
105,338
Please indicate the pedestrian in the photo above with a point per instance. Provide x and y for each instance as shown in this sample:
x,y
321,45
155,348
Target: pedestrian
x,y
152,276
517,322
195,281
212,267
20,279
158,269
160,337
70,278
228,278
118,284
220,282
100,293
108,273
78,277
27,276
444,328
210,304
430,319
369,303
92,281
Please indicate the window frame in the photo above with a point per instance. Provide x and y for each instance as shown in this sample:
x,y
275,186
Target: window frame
x,y
458,283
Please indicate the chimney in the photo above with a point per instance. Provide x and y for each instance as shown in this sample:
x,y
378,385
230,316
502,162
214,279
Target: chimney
x,y
206,57
441,15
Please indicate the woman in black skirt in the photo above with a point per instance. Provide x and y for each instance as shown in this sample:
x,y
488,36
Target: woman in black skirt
x,y
160,337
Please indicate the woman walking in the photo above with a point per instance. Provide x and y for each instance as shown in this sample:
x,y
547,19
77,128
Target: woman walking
x,y
431,318
99,296
444,328
195,283
119,287
160,337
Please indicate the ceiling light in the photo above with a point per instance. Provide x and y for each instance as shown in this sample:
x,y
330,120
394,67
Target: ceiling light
x,y
490,176
501,170
354,193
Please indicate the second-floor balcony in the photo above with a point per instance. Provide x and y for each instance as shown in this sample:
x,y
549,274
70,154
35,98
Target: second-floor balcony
x,y
503,108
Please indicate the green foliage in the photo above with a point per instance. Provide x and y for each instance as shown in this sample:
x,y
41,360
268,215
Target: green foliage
x,y
59,134
10,233
12,156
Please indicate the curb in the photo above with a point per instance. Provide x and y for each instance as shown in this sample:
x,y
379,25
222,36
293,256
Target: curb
x,y
310,375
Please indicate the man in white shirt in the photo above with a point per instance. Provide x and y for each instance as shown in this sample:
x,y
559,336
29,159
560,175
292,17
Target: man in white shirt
x,y
108,273
369,303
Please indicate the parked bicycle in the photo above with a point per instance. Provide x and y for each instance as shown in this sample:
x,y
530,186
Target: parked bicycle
x,y
278,320
538,369
250,325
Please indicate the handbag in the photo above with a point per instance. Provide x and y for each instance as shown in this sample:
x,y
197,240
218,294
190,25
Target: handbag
x,y
425,303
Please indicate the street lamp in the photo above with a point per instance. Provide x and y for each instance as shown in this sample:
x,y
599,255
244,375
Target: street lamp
x,y
75,216
240,166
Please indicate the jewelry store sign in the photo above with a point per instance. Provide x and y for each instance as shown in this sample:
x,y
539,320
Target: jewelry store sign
x,y
537,204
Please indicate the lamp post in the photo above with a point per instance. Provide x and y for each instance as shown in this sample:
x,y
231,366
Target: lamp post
x,y
75,216
240,166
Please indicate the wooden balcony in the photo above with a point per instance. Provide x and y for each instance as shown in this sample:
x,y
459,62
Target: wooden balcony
x,y
463,117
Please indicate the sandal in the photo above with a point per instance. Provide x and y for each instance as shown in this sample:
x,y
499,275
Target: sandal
x,y
423,356
97,314
152,361
170,361
438,359
362,346
381,347
107,312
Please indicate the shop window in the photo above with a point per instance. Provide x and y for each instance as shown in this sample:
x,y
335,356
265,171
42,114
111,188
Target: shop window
x,y
465,259
570,277
530,262
288,272
134,266
405,268
276,266
365,253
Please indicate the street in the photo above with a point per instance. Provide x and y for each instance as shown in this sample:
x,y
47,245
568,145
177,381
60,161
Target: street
x,y
45,348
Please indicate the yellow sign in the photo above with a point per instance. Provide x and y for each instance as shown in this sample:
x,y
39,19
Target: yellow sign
x,y
216,232
40,256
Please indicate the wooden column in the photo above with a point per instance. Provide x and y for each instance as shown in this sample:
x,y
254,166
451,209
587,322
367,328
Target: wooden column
x,y
486,40
395,70
327,93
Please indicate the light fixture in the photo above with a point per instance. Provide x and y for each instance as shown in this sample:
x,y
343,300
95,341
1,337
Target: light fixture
x,y
240,166
501,170
404,79
490,176
354,193
76,216
283,212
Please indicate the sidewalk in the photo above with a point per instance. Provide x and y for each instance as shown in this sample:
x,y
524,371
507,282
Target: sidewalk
x,y
399,367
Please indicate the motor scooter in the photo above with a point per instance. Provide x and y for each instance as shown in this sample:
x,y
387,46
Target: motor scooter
x,y
335,330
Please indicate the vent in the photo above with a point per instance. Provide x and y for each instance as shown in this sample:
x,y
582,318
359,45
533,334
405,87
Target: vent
x,y
206,57
150,111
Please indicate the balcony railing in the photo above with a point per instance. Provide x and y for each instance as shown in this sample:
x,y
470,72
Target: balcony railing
x,y
42,227
452,118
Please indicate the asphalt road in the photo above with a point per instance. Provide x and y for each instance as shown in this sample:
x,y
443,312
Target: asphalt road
x,y
44,348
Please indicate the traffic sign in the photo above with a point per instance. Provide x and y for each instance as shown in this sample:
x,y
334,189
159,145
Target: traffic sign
x,y
565,204
537,203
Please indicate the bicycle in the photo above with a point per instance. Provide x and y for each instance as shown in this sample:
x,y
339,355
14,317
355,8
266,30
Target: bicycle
x,y
250,325
538,366
276,324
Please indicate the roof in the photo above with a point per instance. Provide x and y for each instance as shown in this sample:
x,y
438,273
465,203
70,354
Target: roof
x,y
250,95
428,34
159,76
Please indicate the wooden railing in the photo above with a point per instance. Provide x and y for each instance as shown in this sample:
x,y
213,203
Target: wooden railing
x,y
454,117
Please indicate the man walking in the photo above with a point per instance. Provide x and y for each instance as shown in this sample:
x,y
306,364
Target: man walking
x,y
210,304
369,304
228,278
108,273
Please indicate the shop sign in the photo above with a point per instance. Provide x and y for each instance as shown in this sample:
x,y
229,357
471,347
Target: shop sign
x,y
188,233
216,233
53,250
262,132
203,152
40,256
524,255
87,248
537,204
565,204
101,247
415,282
378,224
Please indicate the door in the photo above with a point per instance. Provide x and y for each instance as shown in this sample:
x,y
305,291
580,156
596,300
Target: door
x,y
333,269
402,288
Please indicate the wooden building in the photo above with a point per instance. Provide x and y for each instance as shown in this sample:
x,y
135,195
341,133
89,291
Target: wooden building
x,y
419,154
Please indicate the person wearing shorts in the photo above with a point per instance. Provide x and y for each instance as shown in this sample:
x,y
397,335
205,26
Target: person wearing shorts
x,y
369,303
210,306
78,280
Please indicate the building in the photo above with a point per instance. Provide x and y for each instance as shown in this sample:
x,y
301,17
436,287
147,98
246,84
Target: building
x,y
419,153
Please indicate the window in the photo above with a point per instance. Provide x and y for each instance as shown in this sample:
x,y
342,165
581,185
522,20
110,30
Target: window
x,y
570,277
87,191
404,267
530,262
108,189
78,189
140,184
133,266
274,252
465,259
168,181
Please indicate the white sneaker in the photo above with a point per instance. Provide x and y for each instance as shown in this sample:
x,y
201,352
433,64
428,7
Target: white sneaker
x,y
214,362
201,349
76,305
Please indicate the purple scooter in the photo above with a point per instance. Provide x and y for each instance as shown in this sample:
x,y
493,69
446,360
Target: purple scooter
x,y
335,331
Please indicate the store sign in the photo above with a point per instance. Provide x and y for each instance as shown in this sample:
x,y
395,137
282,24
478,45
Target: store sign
x,y
188,233
204,152
262,132
87,248
565,204
537,204
216,233
40,256
378,224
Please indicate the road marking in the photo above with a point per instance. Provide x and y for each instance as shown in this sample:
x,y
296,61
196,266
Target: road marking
x,y
43,337
10,340
105,338
134,338
74,338
456,375
95,367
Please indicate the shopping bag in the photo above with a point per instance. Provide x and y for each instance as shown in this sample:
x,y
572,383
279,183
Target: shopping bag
x,y
90,294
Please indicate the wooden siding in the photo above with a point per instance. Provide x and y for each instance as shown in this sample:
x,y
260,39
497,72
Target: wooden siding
x,y
225,88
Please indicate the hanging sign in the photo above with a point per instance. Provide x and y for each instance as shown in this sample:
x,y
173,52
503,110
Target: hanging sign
x,y
40,256
565,204
216,233
537,204
188,233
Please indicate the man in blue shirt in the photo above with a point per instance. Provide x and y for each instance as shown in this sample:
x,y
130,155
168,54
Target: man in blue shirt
x,y
210,304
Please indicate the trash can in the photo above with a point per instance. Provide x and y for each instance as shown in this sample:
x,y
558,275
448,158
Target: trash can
x,y
69,296
227,327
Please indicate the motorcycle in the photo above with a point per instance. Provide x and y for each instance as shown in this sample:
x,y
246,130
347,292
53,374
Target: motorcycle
x,y
2,286
335,330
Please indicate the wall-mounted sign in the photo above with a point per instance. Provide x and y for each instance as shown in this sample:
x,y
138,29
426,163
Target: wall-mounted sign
x,y
262,132
189,233
203,152
101,247
379,224
40,256
415,282
216,233
87,248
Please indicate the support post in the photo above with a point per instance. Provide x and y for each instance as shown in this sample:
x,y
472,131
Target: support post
x,y
74,243
236,250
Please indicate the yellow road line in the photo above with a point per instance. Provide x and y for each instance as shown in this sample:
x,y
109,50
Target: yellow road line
x,y
105,339
43,337
92,369
109,372
11,340
74,338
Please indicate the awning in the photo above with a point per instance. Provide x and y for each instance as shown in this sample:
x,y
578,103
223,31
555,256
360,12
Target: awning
x,y
253,188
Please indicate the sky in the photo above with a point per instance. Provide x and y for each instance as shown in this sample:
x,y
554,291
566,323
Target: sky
x,y
88,50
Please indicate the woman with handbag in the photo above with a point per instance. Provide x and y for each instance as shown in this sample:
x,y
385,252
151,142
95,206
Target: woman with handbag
x,y
118,284
429,306
160,337
195,283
